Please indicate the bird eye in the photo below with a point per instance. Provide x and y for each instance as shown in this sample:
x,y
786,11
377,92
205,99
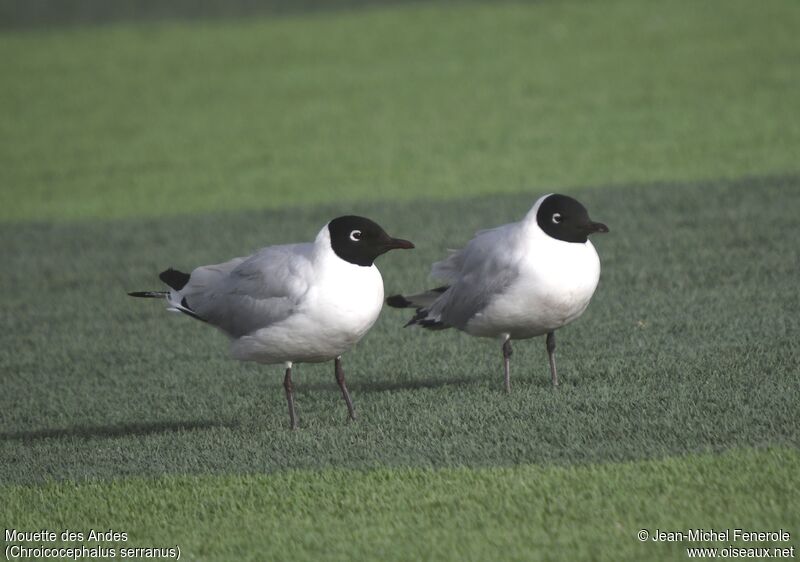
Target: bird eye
x,y
355,236
557,218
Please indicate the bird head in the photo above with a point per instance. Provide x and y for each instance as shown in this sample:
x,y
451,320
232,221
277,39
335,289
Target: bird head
x,y
360,241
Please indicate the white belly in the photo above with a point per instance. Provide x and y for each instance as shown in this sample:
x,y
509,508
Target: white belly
x,y
335,314
554,287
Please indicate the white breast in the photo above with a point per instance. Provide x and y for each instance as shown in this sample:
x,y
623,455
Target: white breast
x,y
341,305
347,303
556,281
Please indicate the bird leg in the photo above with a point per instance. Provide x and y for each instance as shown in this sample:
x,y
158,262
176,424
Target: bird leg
x,y
551,356
339,372
507,351
289,388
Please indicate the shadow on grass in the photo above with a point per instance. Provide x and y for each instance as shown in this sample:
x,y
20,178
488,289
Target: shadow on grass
x,y
388,386
112,431
54,13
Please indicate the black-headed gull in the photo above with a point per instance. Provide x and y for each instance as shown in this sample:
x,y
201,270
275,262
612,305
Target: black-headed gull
x,y
295,303
516,281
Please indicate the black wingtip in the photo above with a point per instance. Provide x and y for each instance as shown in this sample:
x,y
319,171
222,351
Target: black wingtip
x,y
398,301
186,309
174,278
421,319
426,323
432,325
148,294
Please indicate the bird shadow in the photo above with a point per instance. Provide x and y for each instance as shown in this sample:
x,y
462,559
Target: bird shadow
x,y
388,386
112,431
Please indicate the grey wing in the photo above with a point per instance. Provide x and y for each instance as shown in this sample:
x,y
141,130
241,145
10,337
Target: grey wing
x,y
246,294
486,266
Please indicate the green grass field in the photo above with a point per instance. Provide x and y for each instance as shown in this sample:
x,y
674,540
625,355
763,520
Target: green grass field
x,y
516,513
132,147
388,104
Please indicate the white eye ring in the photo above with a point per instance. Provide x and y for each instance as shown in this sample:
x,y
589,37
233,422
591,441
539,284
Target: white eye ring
x,y
557,218
355,236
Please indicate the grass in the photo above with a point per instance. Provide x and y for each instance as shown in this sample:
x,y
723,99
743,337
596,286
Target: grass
x,y
405,102
129,148
689,345
560,513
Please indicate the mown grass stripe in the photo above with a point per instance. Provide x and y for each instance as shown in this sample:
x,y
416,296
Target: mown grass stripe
x,y
689,345
437,101
518,513
50,14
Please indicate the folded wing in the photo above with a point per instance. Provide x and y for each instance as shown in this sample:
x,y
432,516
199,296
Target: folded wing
x,y
243,295
486,266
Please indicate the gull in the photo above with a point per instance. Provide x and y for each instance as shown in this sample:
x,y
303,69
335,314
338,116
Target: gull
x,y
293,303
516,281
